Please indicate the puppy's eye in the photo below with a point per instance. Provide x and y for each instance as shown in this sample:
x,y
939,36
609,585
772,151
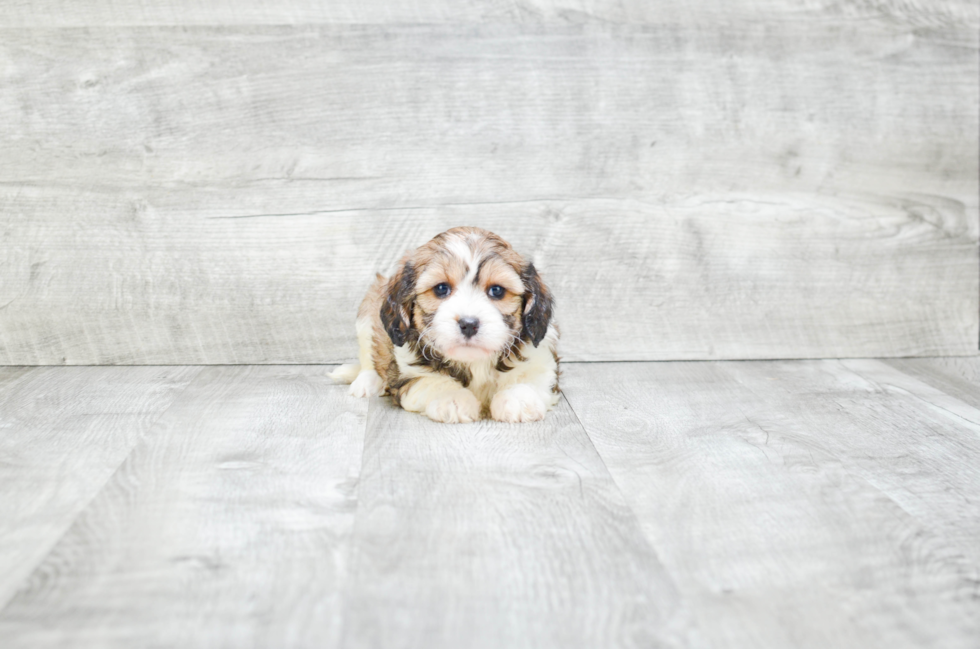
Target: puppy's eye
x,y
441,290
496,292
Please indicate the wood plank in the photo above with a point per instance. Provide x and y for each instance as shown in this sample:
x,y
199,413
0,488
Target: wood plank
x,y
938,478
495,535
796,503
691,279
958,376
10,375
64,13
251,180
63,432
227,527
394,116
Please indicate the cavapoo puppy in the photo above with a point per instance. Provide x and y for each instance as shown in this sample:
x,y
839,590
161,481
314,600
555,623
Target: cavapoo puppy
x,y
463,330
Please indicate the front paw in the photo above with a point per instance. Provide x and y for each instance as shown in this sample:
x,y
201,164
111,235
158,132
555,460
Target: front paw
x,y
367,384
518,403
457,407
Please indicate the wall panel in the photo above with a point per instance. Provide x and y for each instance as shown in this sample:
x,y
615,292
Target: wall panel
x,y
751,189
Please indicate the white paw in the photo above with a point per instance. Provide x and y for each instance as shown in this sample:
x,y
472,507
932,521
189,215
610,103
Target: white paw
x,y
457,407
518,403
367,384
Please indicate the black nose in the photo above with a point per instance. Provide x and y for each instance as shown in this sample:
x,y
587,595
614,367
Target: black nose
x,y
469,326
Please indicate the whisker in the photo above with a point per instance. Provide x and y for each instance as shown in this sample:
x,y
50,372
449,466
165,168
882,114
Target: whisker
x,y
426,345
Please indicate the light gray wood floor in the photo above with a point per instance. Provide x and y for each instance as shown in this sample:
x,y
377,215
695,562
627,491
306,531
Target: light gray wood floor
x,y
830,503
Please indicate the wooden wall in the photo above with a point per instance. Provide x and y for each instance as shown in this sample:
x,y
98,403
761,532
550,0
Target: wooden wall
x,y
186,182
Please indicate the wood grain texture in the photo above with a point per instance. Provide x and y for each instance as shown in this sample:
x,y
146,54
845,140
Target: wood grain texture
x,y
63,13
719,504
958,377
227,527
497,535
916,444
692,279
805,504
9,376
223,195
62,435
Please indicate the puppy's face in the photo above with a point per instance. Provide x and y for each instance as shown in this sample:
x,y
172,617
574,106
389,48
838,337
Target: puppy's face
x,y
466,296
468,300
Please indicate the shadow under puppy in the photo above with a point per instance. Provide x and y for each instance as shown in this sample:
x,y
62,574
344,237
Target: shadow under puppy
x,y
463,330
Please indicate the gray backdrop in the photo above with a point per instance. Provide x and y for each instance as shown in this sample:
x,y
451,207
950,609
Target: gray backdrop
x,y
747,179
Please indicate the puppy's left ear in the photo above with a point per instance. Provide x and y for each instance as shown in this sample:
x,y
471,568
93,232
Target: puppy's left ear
x,y
399,300
537,306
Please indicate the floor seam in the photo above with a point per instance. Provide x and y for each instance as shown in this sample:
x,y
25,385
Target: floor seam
x,y
345,587
4,605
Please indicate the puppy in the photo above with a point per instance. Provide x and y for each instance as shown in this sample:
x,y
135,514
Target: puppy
x,y
462,331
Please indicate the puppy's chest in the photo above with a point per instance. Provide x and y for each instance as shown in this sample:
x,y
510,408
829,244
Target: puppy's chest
x,y
482,379
485,381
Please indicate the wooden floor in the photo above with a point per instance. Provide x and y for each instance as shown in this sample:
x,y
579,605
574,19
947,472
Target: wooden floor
x,y
829,503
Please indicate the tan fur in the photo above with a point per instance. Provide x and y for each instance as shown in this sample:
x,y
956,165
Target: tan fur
x,y
369,310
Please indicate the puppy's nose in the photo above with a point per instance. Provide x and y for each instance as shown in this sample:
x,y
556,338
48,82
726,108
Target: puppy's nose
x,y
469,326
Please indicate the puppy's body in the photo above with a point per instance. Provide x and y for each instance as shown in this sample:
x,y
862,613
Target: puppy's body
x,y
463,330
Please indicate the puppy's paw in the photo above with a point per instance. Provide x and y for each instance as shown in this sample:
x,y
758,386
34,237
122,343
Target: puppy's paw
x,y
518,403
367,384
457,407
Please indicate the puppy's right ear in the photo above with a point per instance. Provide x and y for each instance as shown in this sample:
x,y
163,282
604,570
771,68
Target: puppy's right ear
x,y
396,309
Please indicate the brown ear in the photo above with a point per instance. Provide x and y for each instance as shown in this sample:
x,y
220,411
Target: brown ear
x,y
537,306
396,309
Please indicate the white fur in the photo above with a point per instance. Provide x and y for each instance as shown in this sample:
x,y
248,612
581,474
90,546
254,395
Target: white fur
x,y
367,384
455,407
468,301
461,250
364,380
442,399
519,402
522,394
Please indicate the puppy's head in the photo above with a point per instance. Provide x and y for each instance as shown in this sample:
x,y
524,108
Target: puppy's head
x,y
466,296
